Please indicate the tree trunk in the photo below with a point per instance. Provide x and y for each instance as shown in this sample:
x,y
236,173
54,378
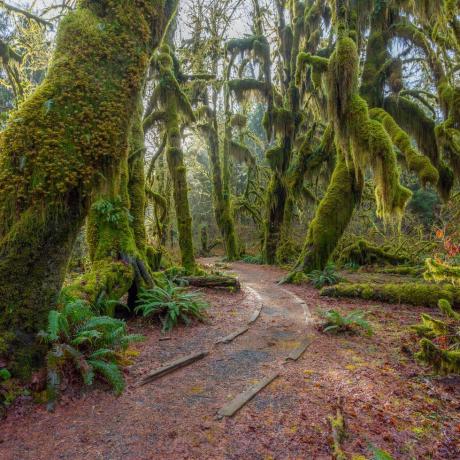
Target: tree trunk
x,y
63,139
332,218
222,207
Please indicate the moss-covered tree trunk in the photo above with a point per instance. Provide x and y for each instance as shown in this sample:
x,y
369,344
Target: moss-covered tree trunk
x,y
68,135
221,198
332,217
178,172
344,191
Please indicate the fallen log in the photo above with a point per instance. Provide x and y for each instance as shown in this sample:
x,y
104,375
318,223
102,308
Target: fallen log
x,y
212,281
173,366
243,398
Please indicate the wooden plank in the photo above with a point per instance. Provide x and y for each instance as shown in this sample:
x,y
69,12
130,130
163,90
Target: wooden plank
x,y
172,366
233,335
255,315
243,398
299,351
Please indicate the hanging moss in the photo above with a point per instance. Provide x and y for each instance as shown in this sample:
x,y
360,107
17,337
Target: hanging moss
x,y
169,96
418,294
419,164
412,119
241,153
363,139
69,134
245,87
239,121
362,252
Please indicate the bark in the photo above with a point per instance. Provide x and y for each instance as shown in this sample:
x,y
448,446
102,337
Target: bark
x,y
69,133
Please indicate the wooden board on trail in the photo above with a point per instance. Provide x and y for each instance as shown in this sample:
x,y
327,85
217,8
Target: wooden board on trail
x,y
243,398
255,315
233,335
172,366
299,351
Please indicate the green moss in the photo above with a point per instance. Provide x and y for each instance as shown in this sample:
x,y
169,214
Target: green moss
x,y
362,252
417,163
169,97
441,272
332,217
418,294
69,134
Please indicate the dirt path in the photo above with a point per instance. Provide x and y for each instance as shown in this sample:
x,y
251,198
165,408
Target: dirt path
x,y
175,417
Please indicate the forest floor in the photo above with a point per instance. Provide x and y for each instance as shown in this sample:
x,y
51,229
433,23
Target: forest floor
x,y
389,401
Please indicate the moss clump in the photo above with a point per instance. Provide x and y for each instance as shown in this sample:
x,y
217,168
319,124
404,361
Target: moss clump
x,y
441,272
440,344
364,253
419,294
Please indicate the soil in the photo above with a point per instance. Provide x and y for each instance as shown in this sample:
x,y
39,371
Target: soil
x,y
389,401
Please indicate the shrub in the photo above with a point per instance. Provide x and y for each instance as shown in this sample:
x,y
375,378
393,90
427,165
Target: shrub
x,y
336,323
92,345
326,277
171,304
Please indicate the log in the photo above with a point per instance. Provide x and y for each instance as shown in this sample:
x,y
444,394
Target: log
x,y
243,398
299,351
173,366
233,335
212,281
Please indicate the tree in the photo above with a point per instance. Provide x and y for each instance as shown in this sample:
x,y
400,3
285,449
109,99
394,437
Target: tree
x,y
66,143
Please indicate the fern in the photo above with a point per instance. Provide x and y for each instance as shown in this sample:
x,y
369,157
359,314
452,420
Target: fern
x,y
257,260
111,372
321,278
336,323
171,304
93,346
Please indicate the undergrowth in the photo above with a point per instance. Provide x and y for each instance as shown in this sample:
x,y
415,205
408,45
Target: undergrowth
x,y
326,277
95,346
256,260
172,304
336,323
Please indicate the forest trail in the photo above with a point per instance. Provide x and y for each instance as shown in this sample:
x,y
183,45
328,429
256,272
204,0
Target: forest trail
x,y
175,417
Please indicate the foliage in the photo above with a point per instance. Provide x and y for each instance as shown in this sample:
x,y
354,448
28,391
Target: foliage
x,y
337,323
440,340
256,260
171,304
112,212
92,345
326,277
